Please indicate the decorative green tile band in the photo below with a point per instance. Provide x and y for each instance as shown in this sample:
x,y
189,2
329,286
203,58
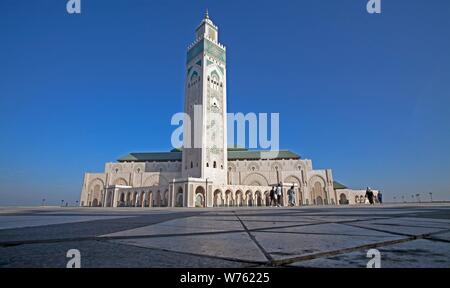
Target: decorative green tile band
x,y
209,47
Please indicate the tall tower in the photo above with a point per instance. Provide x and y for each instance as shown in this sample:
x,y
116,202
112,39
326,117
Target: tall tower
x,y
205,140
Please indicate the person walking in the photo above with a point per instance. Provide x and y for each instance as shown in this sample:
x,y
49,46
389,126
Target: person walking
x,y
291,196
369,195
279,192
272,196
380,197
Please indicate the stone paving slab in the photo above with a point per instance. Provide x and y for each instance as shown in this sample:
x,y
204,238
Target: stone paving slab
x,y
331,229
76,230
408,226
441,236
183,226
237,246
369,211
103,254
413,254
315,239
343,218
256,222
9,222
445,223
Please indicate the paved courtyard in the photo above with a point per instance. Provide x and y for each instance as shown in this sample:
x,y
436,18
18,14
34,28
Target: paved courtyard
x,y
406,236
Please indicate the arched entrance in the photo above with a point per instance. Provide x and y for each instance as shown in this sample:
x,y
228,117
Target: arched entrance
x,y
318,192
258,199
228,198
319,201
200,197
217,198
128,201
267,197
121,201
179,198
249,198
343,199
96,196
239,198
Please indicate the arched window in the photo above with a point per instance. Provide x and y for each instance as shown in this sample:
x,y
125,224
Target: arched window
x,y
192,165
214,164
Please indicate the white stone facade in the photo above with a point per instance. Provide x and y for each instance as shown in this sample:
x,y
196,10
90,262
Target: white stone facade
x,y
156,184
354,197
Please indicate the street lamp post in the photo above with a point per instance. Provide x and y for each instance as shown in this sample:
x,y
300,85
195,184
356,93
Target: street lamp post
x,y
431,196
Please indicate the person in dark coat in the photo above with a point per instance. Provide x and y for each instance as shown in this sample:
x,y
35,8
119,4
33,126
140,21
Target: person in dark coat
x,y
369,195
272,197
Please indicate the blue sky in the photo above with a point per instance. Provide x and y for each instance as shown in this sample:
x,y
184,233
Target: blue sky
x,y
365,95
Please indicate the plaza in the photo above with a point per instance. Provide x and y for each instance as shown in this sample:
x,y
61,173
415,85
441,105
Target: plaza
x,y
407,235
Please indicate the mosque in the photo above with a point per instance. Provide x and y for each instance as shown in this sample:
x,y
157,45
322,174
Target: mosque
x,y
212,174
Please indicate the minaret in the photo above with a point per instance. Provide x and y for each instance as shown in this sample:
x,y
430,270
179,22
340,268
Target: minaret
x,y
205,103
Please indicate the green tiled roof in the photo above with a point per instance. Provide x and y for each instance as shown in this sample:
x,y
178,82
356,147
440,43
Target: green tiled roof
x,y
257,155
338,185
233,154
155,156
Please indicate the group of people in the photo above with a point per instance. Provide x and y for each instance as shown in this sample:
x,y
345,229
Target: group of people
x,y
370,196
276,195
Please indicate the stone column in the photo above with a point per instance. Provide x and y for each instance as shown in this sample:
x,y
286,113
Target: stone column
x,y
209,196
115,192
172,195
